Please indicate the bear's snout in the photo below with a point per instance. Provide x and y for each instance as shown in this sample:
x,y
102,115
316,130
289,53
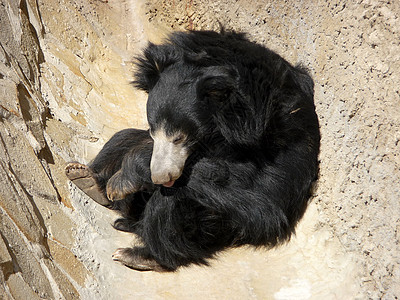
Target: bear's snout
x,y
167,160
164,179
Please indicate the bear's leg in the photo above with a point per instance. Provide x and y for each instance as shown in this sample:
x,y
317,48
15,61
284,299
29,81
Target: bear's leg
x,y
175,232
111,158
93,179
83,178
134,174
131,209
155,232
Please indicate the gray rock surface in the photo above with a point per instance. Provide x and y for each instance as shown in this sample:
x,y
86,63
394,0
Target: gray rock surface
x,y
64,90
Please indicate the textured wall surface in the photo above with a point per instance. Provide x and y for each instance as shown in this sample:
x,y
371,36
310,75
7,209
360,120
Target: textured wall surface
x,y
64,90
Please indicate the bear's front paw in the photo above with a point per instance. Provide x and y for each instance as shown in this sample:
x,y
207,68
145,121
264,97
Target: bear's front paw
x,y
118,187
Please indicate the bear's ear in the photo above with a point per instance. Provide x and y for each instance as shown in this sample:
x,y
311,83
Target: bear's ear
x,y
151,64
217,83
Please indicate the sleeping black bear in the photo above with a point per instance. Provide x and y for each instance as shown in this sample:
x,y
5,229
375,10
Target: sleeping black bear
x,y
229,157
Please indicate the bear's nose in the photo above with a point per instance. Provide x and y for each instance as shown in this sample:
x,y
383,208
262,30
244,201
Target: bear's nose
x,y
170,182
166,179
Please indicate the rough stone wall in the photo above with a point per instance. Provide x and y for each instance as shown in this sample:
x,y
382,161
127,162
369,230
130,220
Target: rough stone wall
x,y
64,90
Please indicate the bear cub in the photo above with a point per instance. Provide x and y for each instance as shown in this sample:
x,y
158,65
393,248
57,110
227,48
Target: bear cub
x,y
229,157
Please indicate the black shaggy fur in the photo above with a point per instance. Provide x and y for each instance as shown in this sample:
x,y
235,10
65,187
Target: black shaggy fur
x,y
253,136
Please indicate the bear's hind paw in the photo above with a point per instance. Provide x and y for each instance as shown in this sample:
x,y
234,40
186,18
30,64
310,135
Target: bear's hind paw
x,y
82,177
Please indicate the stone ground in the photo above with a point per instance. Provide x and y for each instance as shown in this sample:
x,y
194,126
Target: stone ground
x,y
64,90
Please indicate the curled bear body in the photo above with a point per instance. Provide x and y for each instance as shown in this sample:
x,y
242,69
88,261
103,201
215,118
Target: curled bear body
x,y
229,157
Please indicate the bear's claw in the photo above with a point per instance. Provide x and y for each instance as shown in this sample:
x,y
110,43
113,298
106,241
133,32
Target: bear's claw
x,y
129,258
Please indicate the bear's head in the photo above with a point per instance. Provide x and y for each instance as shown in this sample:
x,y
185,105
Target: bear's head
x,y
183,95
